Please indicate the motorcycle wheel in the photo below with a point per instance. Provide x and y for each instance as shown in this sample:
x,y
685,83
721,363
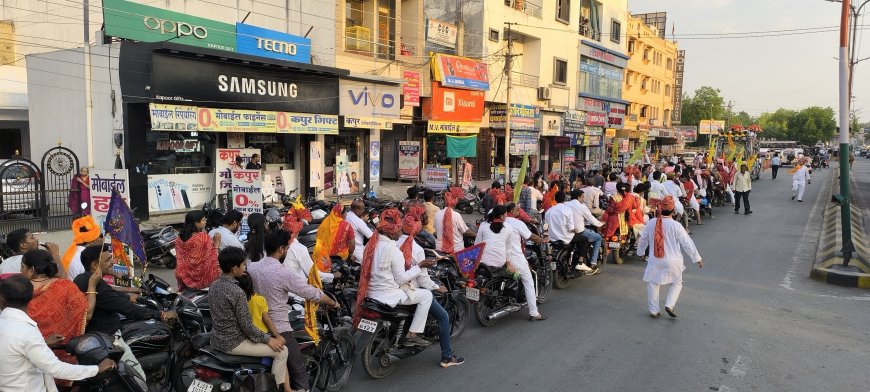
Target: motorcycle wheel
x,y
488,303
545,284
169,261
335,372
459,313
560,279
375,360
613,257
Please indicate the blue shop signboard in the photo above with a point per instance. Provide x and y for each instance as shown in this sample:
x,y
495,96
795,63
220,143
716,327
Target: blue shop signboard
x,y
258,41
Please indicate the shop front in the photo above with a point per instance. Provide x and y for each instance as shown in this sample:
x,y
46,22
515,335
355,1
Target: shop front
x,y
551,135
189,112
452,128
526,124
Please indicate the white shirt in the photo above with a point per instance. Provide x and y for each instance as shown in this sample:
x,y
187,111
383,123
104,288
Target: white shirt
x,y
591,195
522,233
423,280
299,261
775,161
802,174
459,228
657,190
228,238
26,362
388,273
75,265
669,268
361,231
535,196
498,249
560,220
11,265
677,192
581,215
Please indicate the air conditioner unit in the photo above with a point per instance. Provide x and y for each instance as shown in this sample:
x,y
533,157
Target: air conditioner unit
x,y
358,38
543,93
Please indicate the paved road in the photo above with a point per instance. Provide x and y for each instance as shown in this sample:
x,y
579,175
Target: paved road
x,y
750,320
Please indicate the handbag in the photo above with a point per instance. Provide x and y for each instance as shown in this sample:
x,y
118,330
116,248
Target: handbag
x,y
248,381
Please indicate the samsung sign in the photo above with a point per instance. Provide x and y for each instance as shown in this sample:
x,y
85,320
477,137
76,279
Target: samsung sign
x,y
258,41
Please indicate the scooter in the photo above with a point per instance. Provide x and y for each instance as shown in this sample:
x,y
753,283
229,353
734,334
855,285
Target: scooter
x,y
160,246
93,347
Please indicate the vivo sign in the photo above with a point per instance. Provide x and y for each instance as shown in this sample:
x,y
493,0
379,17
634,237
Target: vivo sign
x,y
369,99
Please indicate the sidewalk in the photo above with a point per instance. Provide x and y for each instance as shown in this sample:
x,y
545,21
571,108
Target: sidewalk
x,y
828,266
398,190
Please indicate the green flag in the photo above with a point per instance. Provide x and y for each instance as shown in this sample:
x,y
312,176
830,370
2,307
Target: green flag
x,y
518,186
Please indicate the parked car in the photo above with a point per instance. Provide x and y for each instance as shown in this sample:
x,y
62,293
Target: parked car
x,y
19,189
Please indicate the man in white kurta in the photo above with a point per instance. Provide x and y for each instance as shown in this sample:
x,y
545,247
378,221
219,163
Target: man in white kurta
x,y
390,283
518,259
666,268
799,181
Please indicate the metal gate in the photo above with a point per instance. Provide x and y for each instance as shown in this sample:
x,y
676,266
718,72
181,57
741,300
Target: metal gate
x,y
36,197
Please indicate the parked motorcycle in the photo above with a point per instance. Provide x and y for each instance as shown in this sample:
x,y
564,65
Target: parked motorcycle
x,y
93,347
160,246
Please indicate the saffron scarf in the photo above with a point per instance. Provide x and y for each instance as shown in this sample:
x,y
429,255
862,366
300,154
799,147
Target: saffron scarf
x,y
85,229
450,199
659,237
550,197
312,306
60,307
411,225
197,262
390,224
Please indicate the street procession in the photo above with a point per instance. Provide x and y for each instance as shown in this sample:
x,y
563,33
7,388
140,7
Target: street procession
x,y
429,195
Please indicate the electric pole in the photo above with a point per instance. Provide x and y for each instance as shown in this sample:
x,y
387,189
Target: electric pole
x,y
845,91
507,125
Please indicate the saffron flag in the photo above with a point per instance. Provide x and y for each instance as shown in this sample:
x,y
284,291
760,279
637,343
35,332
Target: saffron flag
x,y
518,186
121,225
467,259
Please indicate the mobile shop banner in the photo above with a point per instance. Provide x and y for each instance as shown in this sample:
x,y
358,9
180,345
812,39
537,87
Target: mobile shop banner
x,y
409,160
460,72
102,182
192,118
523,117
247,187
225,165
172,117
436,178
167,192
228,120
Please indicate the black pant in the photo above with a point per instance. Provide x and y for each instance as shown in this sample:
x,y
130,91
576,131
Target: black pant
x,y
295,363
745,196
775,169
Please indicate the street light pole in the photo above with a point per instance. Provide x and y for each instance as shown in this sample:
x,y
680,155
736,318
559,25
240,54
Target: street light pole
x,y
845,93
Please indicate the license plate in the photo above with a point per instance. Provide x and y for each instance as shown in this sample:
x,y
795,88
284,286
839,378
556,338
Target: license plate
x,y
172,251
553,266
367,325
199,386
613,245
472,293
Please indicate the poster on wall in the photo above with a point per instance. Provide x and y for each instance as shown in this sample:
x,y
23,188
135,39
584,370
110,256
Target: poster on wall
x,y
168,192
235,140
374,163
247,187
342,174
409,160
436,178
411,88
315,169
102,183
225,163
568,155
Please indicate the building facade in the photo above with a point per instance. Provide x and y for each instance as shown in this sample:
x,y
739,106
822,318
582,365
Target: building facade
x,y
650,83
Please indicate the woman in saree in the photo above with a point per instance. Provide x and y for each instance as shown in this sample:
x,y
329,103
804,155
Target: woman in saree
x,y
59,308
80,192
196,254
334,238
614,216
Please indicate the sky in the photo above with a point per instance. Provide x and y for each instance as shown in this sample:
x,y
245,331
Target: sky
x,y
763,74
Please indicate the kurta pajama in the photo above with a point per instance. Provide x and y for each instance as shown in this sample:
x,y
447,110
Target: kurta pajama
x,y
667,269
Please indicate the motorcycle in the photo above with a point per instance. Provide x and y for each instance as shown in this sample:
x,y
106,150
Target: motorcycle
x,y
93,347
160,246
213,212
164,350
563,259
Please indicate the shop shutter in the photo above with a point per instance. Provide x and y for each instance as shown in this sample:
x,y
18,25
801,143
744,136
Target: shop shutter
x,y
389,155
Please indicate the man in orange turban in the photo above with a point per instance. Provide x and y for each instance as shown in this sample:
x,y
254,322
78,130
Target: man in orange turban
x,y
86,232
665,265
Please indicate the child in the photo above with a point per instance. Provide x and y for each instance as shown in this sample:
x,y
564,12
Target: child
x,y
260,313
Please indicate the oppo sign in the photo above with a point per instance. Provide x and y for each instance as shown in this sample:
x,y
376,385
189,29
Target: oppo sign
x,y
179,29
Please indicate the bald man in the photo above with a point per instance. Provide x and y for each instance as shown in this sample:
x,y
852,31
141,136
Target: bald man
x,y
361,231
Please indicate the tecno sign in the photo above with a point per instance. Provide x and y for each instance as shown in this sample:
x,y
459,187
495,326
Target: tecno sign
x,y
369,99
178,29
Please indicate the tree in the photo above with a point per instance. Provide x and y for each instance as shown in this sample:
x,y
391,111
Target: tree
x,y
706,104
775,125
812,125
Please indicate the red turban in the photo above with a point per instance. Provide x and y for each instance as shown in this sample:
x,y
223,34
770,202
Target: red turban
x,y
452,196
666,204
293,225
391,223
411,225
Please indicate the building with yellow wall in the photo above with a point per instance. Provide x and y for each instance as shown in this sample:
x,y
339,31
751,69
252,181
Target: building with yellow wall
x,y
649,80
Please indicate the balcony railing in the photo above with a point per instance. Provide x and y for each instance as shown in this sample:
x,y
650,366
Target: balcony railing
x,y
524,79
587,31
525,6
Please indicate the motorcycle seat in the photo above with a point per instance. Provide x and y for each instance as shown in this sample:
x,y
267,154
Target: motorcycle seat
x,y
387,310
230,359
